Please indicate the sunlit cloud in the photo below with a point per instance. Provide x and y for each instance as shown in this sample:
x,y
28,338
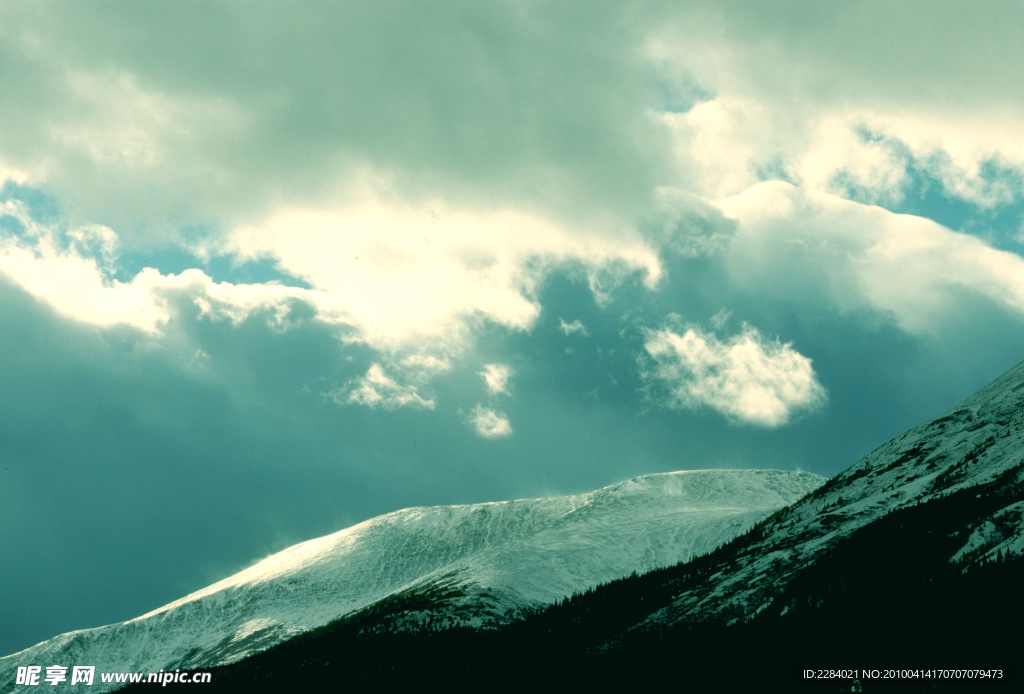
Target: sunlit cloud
x,y
803,246
572,328
747,377
496,378
426,363
54,269
489,423
424,274
377,389
72,270
777,100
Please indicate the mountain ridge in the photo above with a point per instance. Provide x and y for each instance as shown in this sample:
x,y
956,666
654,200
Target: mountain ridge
x,y
517,553
911,557
971,444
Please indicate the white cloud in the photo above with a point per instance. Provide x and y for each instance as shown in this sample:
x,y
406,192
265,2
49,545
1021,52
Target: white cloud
x,y
71,270
407,291
405,278
140,132
720,318
814,100
414,275
747,377
119,124
11,174
735,142
418,213
687,225
75,285
489,423
426,364
496,378
377,389
805,246
575,327
118,134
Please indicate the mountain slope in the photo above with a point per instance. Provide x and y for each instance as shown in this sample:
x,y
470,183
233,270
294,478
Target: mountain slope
x,y
504,555
976,443
914,556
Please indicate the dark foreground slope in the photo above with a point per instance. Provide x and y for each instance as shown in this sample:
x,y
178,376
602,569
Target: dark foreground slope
x,y
912,558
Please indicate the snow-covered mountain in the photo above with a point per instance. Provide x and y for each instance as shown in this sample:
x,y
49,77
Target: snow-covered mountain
x,y
915,555
514,554
978,445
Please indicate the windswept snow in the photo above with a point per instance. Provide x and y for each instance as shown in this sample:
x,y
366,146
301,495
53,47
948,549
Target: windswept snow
x,y
518,552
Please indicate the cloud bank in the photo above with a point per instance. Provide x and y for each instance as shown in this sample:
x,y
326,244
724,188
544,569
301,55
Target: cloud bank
x,y
805,247
404,274
509,146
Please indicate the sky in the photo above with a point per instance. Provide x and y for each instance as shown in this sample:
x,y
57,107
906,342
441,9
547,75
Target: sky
x,y
270,269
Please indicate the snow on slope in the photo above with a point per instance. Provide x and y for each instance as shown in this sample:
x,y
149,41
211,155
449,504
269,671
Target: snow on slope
x,y
975,443
524,552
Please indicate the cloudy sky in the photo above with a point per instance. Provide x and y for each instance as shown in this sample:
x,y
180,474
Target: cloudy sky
x,y
270,269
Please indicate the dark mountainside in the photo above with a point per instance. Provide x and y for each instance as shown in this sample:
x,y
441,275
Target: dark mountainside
x,y
912,557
